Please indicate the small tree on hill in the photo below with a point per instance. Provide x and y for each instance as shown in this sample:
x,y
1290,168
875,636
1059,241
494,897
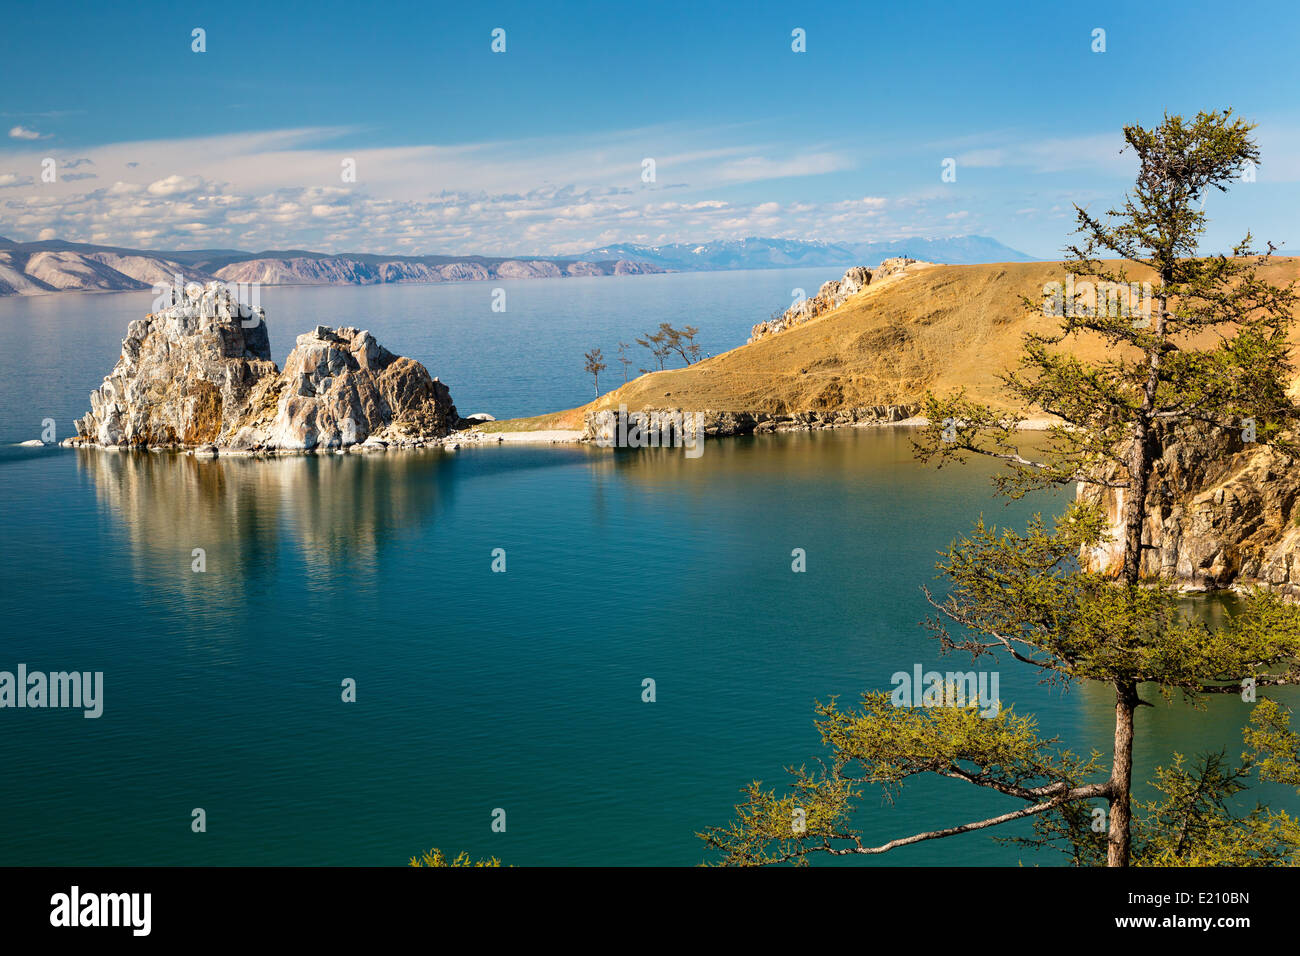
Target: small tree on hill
x,y
656,343
595,366
681,341
622,357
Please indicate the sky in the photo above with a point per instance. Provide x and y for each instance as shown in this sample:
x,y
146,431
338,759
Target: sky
x,y
397,129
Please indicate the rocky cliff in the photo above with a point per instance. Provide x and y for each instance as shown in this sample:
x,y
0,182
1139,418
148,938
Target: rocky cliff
x,y
1222,512
833,294
199,375
341,270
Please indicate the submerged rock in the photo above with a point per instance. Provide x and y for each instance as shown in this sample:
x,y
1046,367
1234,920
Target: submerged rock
x,y
200,374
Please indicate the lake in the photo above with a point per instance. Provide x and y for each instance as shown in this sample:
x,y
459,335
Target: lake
x,y
475,690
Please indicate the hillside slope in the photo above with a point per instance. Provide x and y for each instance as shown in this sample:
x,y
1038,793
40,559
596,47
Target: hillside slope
x,y
940,328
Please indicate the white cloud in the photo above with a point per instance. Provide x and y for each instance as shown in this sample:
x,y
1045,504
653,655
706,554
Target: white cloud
x,y
22,132
1101,153
175,185
753,168
541,196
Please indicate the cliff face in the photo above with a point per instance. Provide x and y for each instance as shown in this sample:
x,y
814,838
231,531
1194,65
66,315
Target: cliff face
x,y
34,269
200,374
36,273
833,294
1220,513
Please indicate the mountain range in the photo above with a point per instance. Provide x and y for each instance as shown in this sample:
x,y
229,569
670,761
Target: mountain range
x,y
56,265
756,253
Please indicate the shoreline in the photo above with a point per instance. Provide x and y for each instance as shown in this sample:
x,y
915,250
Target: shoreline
x,y
475,438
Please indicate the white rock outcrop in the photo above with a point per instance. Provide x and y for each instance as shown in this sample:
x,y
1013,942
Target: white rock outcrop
x,y
199,375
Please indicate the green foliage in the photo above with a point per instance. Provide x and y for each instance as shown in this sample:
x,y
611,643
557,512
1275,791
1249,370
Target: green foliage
x,y
1191,820
880,743
1160,369
1023,595
437,858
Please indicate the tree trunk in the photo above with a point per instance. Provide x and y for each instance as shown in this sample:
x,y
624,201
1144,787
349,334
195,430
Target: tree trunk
x,y
1139,463
1135,504
1126,692
1121,775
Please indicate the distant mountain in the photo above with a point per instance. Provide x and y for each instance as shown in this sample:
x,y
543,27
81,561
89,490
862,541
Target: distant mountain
x,y
57,265
758,253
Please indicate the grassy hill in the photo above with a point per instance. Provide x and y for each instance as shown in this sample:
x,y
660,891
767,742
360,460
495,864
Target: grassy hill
x,y
941,328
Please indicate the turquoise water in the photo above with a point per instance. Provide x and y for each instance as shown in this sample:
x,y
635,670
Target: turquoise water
x,y
475,690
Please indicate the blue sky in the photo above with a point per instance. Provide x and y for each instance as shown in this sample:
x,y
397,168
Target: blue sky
x,y
540,149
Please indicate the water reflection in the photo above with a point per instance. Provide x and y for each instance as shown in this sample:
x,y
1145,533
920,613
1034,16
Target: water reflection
x,y
331,513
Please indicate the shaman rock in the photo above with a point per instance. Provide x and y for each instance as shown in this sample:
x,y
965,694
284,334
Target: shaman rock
x,y
199,373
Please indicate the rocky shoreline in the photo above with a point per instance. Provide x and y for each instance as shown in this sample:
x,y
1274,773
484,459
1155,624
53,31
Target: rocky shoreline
x,y
726,424
197,378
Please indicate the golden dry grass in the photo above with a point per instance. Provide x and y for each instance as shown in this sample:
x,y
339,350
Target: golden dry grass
x,y
939,329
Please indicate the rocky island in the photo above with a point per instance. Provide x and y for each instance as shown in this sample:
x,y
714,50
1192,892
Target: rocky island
x,y
198,375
